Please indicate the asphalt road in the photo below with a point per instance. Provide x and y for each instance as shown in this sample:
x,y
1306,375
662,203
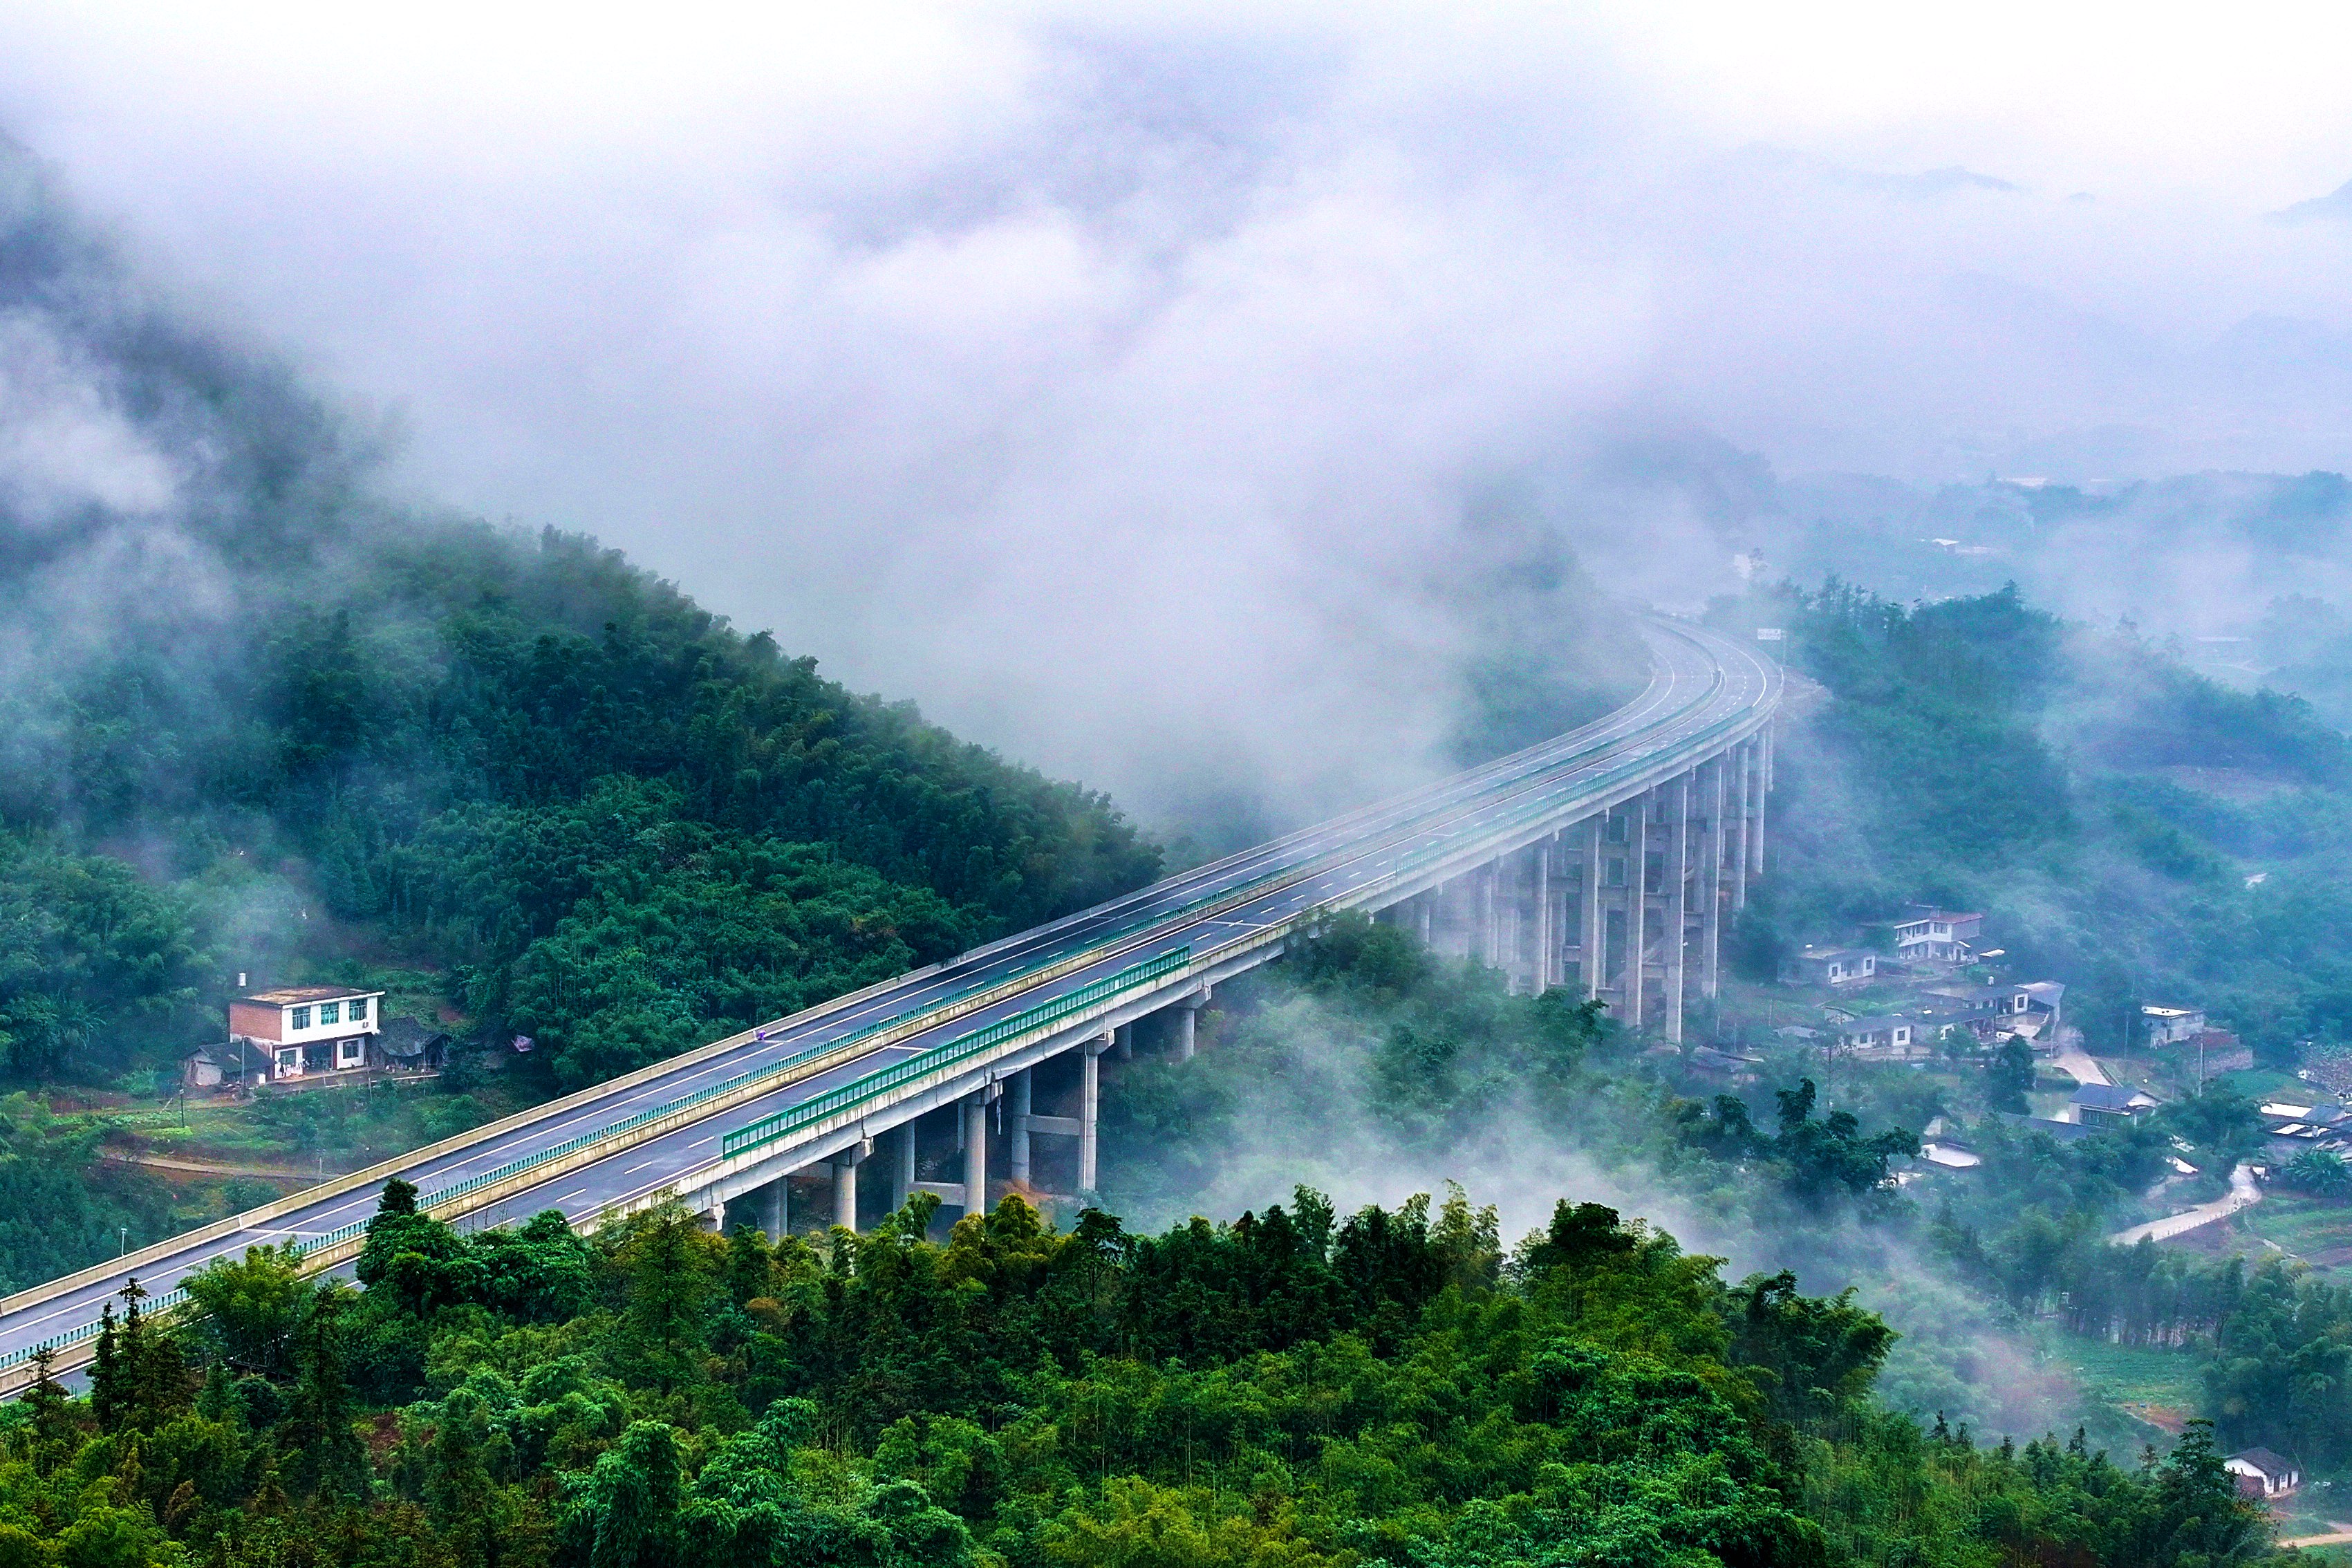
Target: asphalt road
x,y
1698,681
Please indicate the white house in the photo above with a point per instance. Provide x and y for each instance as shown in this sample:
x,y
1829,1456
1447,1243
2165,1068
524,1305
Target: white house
x,y
2263,1474
1829,967
1929,935
308,1029
1886,1033
2163,1026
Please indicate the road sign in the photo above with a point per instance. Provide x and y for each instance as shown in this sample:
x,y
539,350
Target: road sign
x,y
1769,634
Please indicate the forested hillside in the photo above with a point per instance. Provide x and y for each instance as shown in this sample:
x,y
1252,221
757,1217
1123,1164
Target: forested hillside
x,y
257,720
1398,1386
2129,826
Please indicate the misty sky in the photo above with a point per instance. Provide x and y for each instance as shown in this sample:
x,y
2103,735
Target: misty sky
x,y
1109,378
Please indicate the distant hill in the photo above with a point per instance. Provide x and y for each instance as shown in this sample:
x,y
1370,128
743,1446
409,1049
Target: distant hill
x,y
253,718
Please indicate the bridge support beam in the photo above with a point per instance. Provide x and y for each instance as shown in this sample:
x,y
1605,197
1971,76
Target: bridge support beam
x,y
769,1207
1677,899
902,1164
1593,954
1188,1022
1546,934
1637,907
1019,1103
975,1153
844,1187
1763,746
1089,1108
1711,886
1737,757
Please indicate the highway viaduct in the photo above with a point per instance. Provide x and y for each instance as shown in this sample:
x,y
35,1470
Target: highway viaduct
x,y
1606,860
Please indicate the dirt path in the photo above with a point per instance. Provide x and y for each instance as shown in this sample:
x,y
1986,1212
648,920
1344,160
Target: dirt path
x,y
2242,1193
2341,1536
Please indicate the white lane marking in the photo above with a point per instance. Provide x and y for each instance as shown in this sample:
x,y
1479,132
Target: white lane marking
x,y
712,1138
569,1196
635,1168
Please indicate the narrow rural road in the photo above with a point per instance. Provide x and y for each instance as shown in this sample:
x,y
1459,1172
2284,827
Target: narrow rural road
x,y
2340,1535
2243,1193
2072,1059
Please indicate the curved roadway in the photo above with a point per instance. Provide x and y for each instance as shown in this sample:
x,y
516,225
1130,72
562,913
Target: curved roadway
x,y
1705,690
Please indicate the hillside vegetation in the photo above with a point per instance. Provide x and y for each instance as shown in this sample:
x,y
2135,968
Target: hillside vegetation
x,y
2106,808
1292,1388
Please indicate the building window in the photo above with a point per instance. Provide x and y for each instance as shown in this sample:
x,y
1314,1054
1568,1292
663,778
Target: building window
x,y
358,1012
298,1018
289,1064
330,1012
350,1053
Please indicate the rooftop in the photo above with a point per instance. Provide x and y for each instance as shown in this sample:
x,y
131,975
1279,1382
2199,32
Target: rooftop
x,y
2110,1096
1976,993
2262,1459
294,995
2063,1132
2153,1010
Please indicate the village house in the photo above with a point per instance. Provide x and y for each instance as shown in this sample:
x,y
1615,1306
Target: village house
x,y
2168,1025
2056,1130
2042,1020
2208,1053
2112,1101
1829,967
302,1030
1987,1010
2304,1122
1885,1034
404,1045
2261,1475
201,1068
1925,935
1726,1067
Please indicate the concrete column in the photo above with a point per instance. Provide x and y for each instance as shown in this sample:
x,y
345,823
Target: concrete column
x,y
1595,952
1016,1126
1089,1107
1187,1025
1126,1037
845,1188
1504,878
975,1154
1738,760
1677,899
1484,893
1711,883
902,1166
769,1207
714,1212
1547,938
1763,786
1637,907
1422,905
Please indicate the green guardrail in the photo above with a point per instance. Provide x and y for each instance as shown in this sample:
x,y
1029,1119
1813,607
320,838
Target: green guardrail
x,y
785,1122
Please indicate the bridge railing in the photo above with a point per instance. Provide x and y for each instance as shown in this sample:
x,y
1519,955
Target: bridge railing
x,y
873,1085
